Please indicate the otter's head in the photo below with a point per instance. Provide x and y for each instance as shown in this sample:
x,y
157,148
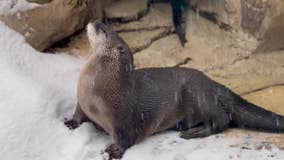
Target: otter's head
x,y
107,45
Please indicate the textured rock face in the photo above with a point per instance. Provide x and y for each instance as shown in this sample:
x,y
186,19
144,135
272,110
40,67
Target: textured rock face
x,y
253,12
261,18
271,32
225,11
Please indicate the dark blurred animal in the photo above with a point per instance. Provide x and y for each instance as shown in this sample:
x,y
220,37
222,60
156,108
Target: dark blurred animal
x,y
179,14
179,18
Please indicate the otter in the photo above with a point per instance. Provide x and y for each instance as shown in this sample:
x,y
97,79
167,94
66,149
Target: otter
x,y
131,105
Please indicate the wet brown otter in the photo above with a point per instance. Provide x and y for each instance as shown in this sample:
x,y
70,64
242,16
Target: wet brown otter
x,y
131,104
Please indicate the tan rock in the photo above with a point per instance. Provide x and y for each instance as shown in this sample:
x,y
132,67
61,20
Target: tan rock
x,y
245,84
259,71
210,47
52,22
45,25
138,40
270,98
126,10
260,18
253,13
159,16
162,53
226,11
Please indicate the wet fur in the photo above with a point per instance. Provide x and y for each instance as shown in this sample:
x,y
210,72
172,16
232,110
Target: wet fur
x,y
131,105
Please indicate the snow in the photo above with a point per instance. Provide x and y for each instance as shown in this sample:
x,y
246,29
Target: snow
x,y
12,6
37,91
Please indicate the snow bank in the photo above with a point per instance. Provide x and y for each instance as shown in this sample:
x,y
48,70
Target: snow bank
x,y
37,91
12,6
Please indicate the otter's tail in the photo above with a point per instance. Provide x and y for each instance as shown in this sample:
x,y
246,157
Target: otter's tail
x,y
248,115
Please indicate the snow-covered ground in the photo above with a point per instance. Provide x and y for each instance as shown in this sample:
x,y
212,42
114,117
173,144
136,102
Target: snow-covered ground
x,y
37,91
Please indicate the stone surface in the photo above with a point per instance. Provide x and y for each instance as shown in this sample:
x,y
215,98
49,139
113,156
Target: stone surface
x,y
45,25
159,16
261,18
138,40
259,71
253,12
126,10
271,33
225,11
39,1
162,53
52,22
208,46
270,98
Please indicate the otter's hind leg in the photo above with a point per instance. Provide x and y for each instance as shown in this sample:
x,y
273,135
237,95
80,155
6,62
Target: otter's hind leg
x,y
204,115
78,118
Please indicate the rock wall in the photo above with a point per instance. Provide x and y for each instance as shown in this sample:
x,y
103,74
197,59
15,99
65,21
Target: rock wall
x,y
271,33
225,11
253,12
261,18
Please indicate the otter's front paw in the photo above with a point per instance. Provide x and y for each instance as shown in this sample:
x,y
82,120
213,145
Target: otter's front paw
x,y
71,124
115,151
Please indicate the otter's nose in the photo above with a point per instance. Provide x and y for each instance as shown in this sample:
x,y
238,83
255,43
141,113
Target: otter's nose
x,y
96,25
